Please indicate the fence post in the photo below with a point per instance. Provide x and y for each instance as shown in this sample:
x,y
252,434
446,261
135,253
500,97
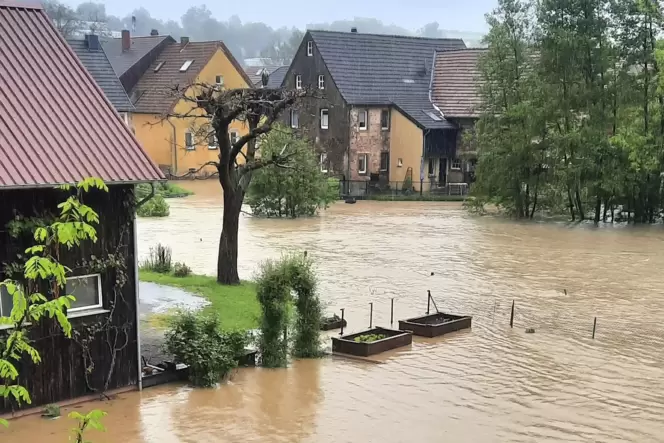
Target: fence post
x,y
512,316
371,315
342,321
392,313
594,327
428,302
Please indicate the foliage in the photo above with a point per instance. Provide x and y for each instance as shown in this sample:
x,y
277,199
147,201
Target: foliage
x,y
42,269
160,259
407,186
51,411
236,305
166,190
274,284
181,270
426,196
300,190
369,338
155,207
573,118
90,420
196,339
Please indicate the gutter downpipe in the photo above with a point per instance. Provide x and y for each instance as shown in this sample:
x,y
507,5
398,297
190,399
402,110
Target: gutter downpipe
x,y
138,299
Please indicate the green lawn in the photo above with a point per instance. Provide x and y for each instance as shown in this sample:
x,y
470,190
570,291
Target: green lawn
x,y
236,305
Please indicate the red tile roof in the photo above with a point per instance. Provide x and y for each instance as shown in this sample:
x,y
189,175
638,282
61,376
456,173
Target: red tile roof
x,y
56,125
455,89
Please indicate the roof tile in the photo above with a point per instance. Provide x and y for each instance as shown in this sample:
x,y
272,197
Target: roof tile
x,y
455,89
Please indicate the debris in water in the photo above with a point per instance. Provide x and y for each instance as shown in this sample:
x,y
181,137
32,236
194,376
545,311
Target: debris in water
x,y
530,331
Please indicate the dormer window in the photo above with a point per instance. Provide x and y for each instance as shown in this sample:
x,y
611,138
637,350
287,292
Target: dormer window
x,y
310,48
159,66
186,65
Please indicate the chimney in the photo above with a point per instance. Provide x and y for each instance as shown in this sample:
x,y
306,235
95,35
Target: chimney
x,y
93,42
154,32
184,41
126,40
353,30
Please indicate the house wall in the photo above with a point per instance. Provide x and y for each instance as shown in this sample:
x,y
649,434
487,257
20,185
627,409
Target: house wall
x,y
157,135
371,141
406,141
334,141
61,375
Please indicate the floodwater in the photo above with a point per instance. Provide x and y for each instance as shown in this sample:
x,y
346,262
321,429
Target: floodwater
x,y
491,384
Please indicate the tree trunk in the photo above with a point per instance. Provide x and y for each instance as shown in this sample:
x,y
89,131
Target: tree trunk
x,y
598,209
579,204
228,243
570,203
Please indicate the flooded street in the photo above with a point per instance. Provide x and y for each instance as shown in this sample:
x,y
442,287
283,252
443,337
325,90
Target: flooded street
x,y
491,384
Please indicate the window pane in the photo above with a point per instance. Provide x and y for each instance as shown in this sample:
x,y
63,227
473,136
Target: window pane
x,y
6,302
324,118
189,139
384,161
384,119
86,291
363,119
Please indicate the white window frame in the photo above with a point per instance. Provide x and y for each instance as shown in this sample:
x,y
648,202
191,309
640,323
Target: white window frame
x,y
293,123
233,136
321,81
366,163
192,146
217,78
456,161
385,128
298,81
310,48
323,162
159,66
186,65
327,124
400,163
366,119
95,307
216,143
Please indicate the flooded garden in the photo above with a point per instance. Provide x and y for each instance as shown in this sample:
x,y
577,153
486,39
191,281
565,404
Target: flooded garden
x,y
488,383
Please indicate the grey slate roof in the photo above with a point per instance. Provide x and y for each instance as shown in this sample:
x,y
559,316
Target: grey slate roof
x,y
373,69
122,61
276,78
100,69
253,72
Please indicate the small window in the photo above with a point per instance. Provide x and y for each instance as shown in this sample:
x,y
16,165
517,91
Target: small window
x,y
219,80
321,82
385,119
86,290
233,137
298,82
432,167
400,163
323,162
362,164
456,164
362,122
189,141
294,119
6,302
324,118
384,161
186,65
310,48
159,66
212,142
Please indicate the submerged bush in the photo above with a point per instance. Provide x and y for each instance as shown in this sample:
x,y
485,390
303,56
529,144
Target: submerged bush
x,y
159,260
181,270
155,207
197,340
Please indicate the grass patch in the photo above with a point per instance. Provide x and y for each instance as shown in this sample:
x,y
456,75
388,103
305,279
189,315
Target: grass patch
x,y
236,306
416,197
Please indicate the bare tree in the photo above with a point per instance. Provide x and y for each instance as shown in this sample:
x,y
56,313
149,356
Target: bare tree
x,y
63,17
260,109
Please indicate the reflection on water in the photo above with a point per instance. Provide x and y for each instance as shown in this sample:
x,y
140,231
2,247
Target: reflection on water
x,y
491,384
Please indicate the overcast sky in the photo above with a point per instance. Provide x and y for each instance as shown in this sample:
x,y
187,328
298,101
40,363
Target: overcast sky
x,y
412,14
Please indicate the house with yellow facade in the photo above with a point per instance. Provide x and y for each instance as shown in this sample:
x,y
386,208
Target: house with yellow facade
x,y
163,122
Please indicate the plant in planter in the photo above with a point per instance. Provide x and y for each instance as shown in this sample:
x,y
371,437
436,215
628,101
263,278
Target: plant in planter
x,y
369,338
51,411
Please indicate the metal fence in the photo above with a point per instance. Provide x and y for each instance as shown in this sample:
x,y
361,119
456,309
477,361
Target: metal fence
x,y
361,189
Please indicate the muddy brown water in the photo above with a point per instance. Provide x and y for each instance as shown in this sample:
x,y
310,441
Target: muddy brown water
x,y
491,384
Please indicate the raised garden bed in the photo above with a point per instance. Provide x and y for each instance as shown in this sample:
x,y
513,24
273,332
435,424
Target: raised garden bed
x,y
371,342
165,373
434,325
334,322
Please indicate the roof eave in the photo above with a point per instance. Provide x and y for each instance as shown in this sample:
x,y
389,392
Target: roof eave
x,y
55,185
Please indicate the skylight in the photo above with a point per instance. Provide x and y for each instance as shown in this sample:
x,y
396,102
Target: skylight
x,y
433,116
158,67
408,80
186,65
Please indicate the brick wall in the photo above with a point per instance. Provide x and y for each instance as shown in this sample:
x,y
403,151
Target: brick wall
x,y
372,142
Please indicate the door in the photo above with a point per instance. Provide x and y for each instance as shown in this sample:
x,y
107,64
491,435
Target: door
x,y
442,172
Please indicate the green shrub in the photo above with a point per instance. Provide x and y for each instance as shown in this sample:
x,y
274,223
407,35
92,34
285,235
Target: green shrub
x,y
166,190
181,270
159,260
155,207
51,411
197,340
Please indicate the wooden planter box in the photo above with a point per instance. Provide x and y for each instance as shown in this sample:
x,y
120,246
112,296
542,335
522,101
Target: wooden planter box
x,y
434,325
394,339
168,376
329,325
